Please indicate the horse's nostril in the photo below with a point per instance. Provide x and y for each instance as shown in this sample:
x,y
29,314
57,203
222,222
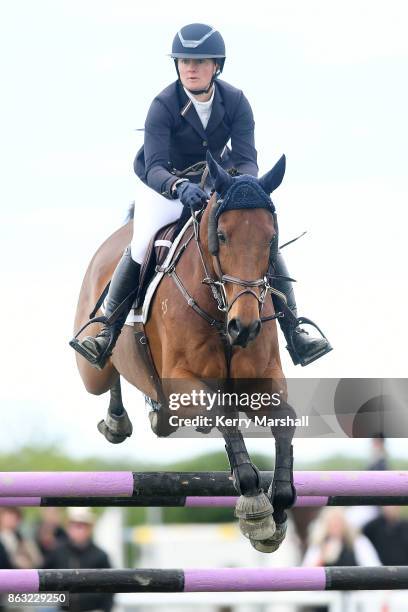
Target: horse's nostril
x,y
234,327
242,334
255,328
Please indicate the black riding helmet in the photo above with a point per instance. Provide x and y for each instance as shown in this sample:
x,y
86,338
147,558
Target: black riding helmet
x,y
199,41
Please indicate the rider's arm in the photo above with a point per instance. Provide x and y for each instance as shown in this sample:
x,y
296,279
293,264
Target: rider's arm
x,y
243,152
157,135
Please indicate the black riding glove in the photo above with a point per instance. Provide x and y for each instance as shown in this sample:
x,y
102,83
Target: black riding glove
x,y
191,195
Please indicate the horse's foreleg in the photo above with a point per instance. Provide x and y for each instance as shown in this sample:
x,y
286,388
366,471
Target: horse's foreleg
x,y
116,427
282,492
253,508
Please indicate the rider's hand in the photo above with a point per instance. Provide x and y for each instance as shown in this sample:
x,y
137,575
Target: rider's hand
x,y
191,195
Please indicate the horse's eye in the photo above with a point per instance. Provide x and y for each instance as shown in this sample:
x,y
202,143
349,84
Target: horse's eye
x,y
221,237
273,239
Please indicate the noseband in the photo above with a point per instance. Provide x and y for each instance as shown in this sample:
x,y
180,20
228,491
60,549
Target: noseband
x,y
218,286
223,279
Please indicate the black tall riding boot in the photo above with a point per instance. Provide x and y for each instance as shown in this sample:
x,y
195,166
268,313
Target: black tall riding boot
x,y
303,348
124,284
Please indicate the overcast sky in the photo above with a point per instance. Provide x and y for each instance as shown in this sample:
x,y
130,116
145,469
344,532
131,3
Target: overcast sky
x,y
327,83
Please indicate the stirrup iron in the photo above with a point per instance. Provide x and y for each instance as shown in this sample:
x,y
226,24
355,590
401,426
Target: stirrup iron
x,y
296,357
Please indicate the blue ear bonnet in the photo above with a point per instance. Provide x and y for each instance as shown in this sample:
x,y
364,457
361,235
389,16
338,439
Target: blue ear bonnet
x,y
245,193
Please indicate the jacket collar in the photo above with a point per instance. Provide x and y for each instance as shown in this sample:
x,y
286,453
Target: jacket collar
x,y
189,112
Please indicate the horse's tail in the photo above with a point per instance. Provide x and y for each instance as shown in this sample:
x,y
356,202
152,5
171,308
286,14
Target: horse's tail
x,y
130,213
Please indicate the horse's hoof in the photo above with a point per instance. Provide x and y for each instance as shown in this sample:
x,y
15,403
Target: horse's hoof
x,y
160,426
272,544
154,421
255,516
116,428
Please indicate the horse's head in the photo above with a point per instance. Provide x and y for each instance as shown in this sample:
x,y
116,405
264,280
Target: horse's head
x,y
242,239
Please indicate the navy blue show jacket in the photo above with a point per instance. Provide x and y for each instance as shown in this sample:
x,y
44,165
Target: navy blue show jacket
x,y
174,136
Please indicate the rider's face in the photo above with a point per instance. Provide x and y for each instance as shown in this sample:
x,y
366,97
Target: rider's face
x,y
196,74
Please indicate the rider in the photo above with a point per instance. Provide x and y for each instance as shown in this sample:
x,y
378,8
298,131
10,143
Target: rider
x,y
194,114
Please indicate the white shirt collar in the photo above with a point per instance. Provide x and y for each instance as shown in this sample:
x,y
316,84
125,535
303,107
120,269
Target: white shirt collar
x,y
195,101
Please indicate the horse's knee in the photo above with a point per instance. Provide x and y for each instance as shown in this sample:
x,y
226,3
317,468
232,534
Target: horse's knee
x,y
95,382
94,388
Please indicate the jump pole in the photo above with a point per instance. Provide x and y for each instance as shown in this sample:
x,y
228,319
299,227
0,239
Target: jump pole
x,y
198,501
204,580
128,484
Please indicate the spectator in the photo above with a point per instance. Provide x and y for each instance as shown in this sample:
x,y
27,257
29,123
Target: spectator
x,y
334,542
80,552
16,551
49,531
389,535
21,551
5,563
358,516
379,454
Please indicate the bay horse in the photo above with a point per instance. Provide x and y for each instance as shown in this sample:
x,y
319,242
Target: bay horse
x,y
209,319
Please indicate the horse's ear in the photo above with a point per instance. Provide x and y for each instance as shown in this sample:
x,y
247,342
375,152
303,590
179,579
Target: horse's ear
x,y
221,179
272,179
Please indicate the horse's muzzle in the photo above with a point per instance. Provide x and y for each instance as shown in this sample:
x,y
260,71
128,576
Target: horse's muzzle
x,y
240,334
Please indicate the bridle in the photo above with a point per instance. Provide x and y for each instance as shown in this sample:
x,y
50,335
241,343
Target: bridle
x,y
249,285
223,303
218,285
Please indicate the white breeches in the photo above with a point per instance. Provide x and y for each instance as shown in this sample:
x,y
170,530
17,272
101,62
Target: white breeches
x,y
152,211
